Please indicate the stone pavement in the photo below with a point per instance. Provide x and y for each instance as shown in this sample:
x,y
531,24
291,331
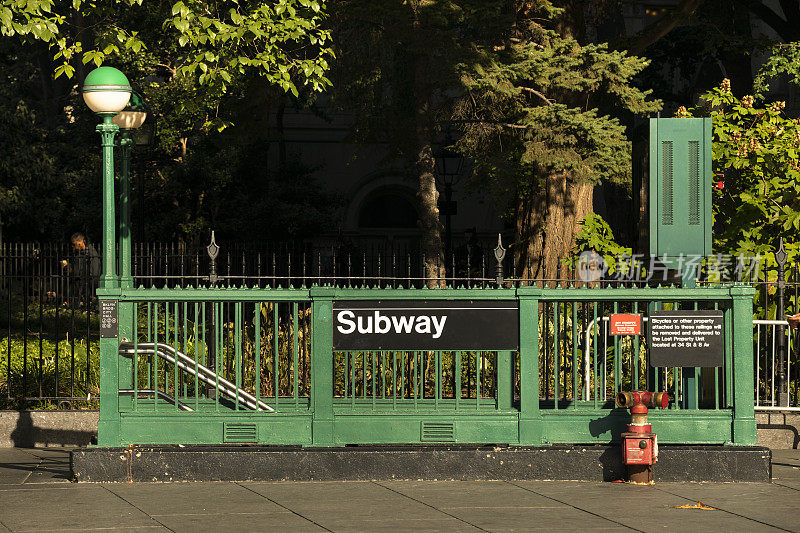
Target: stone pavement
x,y
36,495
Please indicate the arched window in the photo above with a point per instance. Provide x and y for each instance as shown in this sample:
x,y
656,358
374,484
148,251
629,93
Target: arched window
x,y
387,210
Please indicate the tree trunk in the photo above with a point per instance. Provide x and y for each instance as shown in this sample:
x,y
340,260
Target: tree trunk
x,y
546,224
429,224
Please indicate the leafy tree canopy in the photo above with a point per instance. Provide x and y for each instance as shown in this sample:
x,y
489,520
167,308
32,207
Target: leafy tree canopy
x,y
756,154
283,42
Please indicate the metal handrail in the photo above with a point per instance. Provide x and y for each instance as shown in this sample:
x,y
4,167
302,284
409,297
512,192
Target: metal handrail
x,y
187,364
159,394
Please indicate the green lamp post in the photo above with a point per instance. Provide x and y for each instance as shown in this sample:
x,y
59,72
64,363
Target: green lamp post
x,y
107,91
128,120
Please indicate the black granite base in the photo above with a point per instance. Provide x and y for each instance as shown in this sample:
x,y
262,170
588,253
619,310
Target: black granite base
x,y
356,463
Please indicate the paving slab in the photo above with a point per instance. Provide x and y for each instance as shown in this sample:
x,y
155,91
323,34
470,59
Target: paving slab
x,y
519,518
137,529
769,504
288,491
158,499
58,509
239,522
626,504
470,493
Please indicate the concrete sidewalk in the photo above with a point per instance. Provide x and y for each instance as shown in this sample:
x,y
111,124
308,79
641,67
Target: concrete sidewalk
x,y
36,495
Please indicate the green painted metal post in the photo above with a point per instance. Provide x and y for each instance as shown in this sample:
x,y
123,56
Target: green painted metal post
x,y
125,145
126,310
322,433
744,422
107,130
505,381
530,419
108,427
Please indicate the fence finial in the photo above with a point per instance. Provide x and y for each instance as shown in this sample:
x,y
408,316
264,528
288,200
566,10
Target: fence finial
x,y
213,252
780,254
499,254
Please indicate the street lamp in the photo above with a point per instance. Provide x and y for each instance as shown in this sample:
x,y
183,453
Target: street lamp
x,y
128,120
106,91
448,166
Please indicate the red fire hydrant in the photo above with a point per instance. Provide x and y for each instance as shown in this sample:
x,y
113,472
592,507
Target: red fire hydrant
x,y
639,444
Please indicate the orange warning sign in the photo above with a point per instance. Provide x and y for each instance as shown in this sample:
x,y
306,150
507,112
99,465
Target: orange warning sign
x,y
625,324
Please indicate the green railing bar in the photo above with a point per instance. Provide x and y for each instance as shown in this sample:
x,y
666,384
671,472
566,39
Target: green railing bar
x,y
192,294
383,374
403,361
166,341
617,361
458,378
477,379
149,339
437,378
218,348
556,355
237,348
677,376
594,347
394,379
135,356
276,354
716,370
186,347
155,358
417,355
636,350
175,346
295,354
257,335
574,355
198,346
352,370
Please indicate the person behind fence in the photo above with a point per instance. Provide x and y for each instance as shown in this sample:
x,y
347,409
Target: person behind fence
x,y
84,268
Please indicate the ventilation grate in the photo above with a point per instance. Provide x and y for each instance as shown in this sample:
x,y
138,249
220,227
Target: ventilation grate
x,y
240,432
667,182
694,183
438,432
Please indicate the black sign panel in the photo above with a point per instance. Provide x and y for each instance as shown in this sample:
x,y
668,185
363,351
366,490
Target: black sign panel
x,y
425,325
686,338
109,325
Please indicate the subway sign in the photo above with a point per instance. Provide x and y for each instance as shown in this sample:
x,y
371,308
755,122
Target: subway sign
x,y
425,325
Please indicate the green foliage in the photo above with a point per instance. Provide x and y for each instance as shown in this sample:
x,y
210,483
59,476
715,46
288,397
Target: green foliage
x,y
49,369
224,40
53,373
784,60
595,234
282,42
534,102
755,154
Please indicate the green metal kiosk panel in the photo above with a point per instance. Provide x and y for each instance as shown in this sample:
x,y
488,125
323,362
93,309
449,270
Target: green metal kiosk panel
x,y
405,429
680,186
167,429
678,427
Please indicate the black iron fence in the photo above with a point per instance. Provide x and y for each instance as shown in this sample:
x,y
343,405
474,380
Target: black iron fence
x,y
50,331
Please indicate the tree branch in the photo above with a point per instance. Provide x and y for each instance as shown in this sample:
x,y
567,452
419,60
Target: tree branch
x,y
660,28
537,93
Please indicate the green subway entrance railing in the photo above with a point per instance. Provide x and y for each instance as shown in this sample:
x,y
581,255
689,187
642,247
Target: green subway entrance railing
x,y
213,366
